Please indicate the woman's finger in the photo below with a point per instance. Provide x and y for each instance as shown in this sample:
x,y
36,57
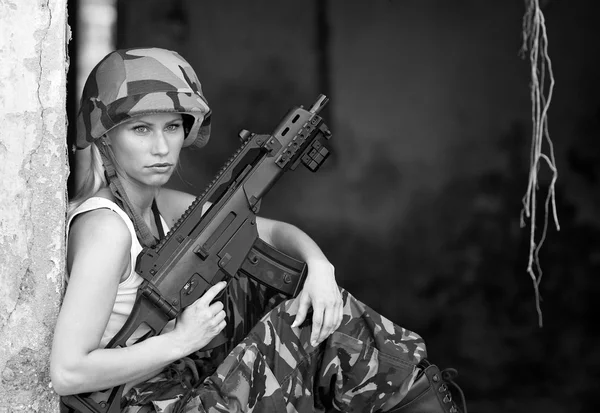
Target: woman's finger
x,y
317,324
218,317
215,307
303,306
328,323
212,292
340,314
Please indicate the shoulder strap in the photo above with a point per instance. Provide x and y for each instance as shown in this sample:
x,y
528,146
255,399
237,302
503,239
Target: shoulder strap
x,y
157,221
142,231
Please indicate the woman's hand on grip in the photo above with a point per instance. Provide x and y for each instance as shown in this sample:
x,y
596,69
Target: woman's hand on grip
x,y
200,322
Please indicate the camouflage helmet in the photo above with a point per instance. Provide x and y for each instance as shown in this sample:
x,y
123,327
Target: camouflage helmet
x,y
141,81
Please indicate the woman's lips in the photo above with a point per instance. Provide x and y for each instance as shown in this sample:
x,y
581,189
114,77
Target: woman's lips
x,y
161,167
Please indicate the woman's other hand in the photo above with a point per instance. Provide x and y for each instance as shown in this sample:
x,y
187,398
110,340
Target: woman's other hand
x,y
200,322
320,290
322,293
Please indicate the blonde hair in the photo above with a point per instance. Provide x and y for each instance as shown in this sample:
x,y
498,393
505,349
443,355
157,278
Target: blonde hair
x,y
93,180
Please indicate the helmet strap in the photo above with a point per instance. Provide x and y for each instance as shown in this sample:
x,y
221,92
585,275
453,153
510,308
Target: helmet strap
x,y
142,231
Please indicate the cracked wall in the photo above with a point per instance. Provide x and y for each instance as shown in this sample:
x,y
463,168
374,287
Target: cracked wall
x,y
33,175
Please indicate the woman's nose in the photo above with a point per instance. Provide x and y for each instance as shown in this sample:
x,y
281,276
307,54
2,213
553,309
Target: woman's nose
x,y
160,146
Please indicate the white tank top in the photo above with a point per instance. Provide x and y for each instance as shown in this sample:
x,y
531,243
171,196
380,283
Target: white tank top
x,y
127,290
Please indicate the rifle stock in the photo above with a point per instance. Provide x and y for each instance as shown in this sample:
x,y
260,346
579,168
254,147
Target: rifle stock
x,y
202,250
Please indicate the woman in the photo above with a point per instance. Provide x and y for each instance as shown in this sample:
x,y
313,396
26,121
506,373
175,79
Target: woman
x,y
139,107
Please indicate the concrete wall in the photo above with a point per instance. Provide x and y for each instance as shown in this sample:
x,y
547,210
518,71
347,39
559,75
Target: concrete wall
x,y
33,174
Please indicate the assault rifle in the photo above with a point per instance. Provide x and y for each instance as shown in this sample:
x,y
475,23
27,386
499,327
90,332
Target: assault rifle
x,y
201,250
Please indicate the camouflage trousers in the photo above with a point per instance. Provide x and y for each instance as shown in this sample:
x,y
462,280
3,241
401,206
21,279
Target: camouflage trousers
x,y
274,368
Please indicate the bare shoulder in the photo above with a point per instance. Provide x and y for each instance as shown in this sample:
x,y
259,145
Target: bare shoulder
x,y
102,222
100,232
173,203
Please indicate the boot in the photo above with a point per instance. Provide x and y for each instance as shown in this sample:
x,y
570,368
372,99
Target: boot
x,y
430,392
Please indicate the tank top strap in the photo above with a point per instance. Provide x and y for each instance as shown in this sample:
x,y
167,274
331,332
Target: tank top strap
x,y
97,202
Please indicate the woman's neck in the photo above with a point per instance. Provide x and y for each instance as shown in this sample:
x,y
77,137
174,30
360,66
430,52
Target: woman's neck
x,y
140,198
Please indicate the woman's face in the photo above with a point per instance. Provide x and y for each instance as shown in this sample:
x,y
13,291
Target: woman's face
x,y
146,148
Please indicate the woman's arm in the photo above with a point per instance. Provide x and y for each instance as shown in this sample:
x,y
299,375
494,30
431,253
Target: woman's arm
x,y
320,289
99,252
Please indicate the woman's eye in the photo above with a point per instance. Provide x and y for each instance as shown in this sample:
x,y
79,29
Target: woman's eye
x,y
140,129
173,127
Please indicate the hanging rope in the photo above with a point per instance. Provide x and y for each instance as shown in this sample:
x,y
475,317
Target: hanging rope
x,y
535,45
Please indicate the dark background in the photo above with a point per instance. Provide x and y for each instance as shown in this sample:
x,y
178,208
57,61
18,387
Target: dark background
x,y
419,206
